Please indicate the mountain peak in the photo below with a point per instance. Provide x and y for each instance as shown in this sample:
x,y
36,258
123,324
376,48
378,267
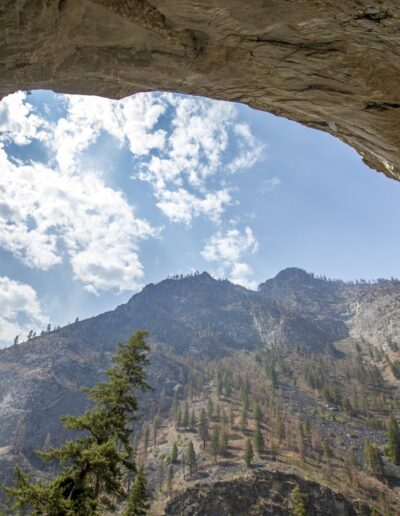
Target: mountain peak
x,y
294,273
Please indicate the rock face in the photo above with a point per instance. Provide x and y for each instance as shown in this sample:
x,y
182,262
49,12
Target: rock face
x,y
330,65
263,493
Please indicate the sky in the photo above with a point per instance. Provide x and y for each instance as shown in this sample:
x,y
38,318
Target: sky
x,y
100,197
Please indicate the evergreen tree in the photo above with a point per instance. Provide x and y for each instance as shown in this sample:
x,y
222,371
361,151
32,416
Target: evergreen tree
x,y
328,454
248,453
191,458
231,418
373,458
223,441
273,377
203,428
224,418
258,440
210,408
257,413
393,435
94,465
170,479
178,418
146,436
220,387
161,468
193,420
298,505
138,503
243,420
214,443
244,395
227,385
174,453
218,413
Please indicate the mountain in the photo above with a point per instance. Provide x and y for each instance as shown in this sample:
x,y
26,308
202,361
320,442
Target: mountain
x,y
191,320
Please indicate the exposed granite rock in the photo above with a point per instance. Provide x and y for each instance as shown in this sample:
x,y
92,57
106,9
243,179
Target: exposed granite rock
x,y
262,493
332,65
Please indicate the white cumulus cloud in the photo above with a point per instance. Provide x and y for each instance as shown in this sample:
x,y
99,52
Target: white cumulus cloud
x,y
20,311
204,145
228,250
59,211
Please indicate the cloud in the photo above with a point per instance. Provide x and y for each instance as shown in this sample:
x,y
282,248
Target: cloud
x,y
20,310
57,212
227,250
267,185
130,121
62,211
47,216
181,206
203,147
18,122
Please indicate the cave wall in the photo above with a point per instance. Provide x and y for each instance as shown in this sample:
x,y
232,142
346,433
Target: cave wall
x,y
329,64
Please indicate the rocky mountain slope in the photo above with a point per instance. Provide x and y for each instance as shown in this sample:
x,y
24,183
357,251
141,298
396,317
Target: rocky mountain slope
x,y
190,318
263,493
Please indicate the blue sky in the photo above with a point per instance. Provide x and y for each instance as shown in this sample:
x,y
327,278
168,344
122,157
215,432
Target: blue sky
x,y
100,197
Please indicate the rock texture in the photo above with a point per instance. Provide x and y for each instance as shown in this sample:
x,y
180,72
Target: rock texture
x,y
263,493
329,64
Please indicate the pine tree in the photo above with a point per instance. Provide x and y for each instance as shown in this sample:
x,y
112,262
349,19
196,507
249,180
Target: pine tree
x,y
193,420
218,413
178,418
161,468
248,453
257,413
227,385
94,465
373,458
273,377
298,505
174,453
191,458
223,441
170,479
393,435
203,428
146,436
138,503
214,442
328,454
210,408
258,440
231,418
243,420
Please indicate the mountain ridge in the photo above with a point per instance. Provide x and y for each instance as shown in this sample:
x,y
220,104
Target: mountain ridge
x,y
195,316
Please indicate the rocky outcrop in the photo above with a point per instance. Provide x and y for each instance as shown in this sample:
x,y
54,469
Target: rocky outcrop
x,y
259,494
330,65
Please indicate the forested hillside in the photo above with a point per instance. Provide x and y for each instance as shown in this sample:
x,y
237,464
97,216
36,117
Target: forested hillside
x,y
297,382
